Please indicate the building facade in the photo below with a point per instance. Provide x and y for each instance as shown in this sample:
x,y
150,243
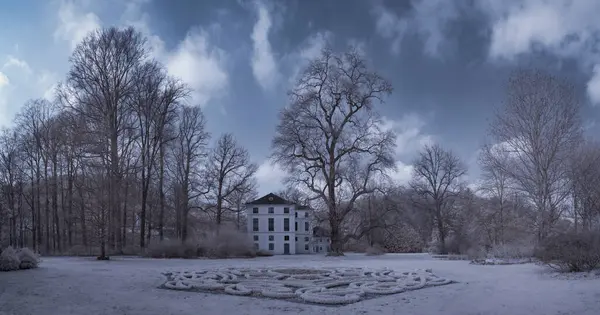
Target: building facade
x,y
279,226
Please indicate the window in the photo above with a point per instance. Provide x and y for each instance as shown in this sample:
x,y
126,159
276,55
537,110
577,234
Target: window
x,y
296,238
271,210
271,238
286,210
254,210
306,247
256,246
286,238
256,238
306,226
271,246
296,214
255,224
272,225
295,226
306,239
306,214
286,224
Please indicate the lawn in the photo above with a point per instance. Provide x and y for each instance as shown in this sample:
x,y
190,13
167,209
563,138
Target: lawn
x,y
71,285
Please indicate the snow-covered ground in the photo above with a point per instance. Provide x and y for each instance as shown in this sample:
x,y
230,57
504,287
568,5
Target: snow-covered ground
x,y
64,286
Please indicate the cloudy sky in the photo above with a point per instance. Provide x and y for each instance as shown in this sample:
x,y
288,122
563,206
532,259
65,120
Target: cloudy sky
x,y
447,60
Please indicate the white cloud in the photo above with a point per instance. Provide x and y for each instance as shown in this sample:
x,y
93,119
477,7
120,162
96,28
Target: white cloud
x,y
17,63
269,177
200,65
410,137
194,60
593,86
428,19
3,80
309,50
403,173
565,28
73,24
264,66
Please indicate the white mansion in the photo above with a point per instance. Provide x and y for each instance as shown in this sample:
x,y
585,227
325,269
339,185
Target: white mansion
x,y
282,227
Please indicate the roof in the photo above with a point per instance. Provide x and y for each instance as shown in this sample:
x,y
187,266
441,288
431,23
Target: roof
x,y
270,199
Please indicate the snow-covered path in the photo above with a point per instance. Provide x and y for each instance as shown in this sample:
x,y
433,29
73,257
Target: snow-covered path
x,y
65,286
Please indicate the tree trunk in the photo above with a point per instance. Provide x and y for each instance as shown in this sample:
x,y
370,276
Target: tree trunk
x,y
55,202
161,196
47,206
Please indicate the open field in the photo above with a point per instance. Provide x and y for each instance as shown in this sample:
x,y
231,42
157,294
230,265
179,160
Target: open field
x,y
71,285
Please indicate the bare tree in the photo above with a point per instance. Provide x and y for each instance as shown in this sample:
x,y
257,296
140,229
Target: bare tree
x,y
329,139
539,127
437,176
229,170
497,186
585,180
154,102
294,195
101,80
189,153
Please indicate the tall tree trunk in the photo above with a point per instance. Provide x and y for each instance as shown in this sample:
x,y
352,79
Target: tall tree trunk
x,y
70,179
33,215
55,201
47,206
143,210
161,192
38,205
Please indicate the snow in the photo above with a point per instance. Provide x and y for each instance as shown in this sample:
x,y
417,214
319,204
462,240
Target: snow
x,y
72,285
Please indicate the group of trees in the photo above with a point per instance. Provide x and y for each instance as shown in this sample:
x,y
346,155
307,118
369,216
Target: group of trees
x,y
117,158
539,174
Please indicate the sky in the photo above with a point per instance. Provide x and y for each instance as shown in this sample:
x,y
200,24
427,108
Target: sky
x,y
447,61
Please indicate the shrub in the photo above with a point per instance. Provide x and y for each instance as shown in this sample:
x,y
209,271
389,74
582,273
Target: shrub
x,y
374,250
263,253
571,251
511,251
171,249
9,260
228,244
28,258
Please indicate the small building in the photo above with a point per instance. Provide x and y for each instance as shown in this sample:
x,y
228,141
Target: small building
x,y
280,226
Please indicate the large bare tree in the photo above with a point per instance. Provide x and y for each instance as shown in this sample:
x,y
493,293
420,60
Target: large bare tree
x,y
437,178
329,137
189,153
100,82
229,169
539,127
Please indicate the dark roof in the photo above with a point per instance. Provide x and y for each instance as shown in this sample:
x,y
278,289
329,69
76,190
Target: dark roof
x,y
270,199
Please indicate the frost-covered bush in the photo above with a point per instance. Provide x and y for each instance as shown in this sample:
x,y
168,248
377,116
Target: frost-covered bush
x,y
9,260
28,258
228,244
571,251
374,250
263,253
171,249
511,251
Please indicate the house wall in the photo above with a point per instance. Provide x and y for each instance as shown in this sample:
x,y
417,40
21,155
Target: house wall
x,y
261,237
304,236
321,244
300,239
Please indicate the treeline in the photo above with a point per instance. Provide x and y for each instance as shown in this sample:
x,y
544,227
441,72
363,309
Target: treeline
x,y
117,159
539,188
